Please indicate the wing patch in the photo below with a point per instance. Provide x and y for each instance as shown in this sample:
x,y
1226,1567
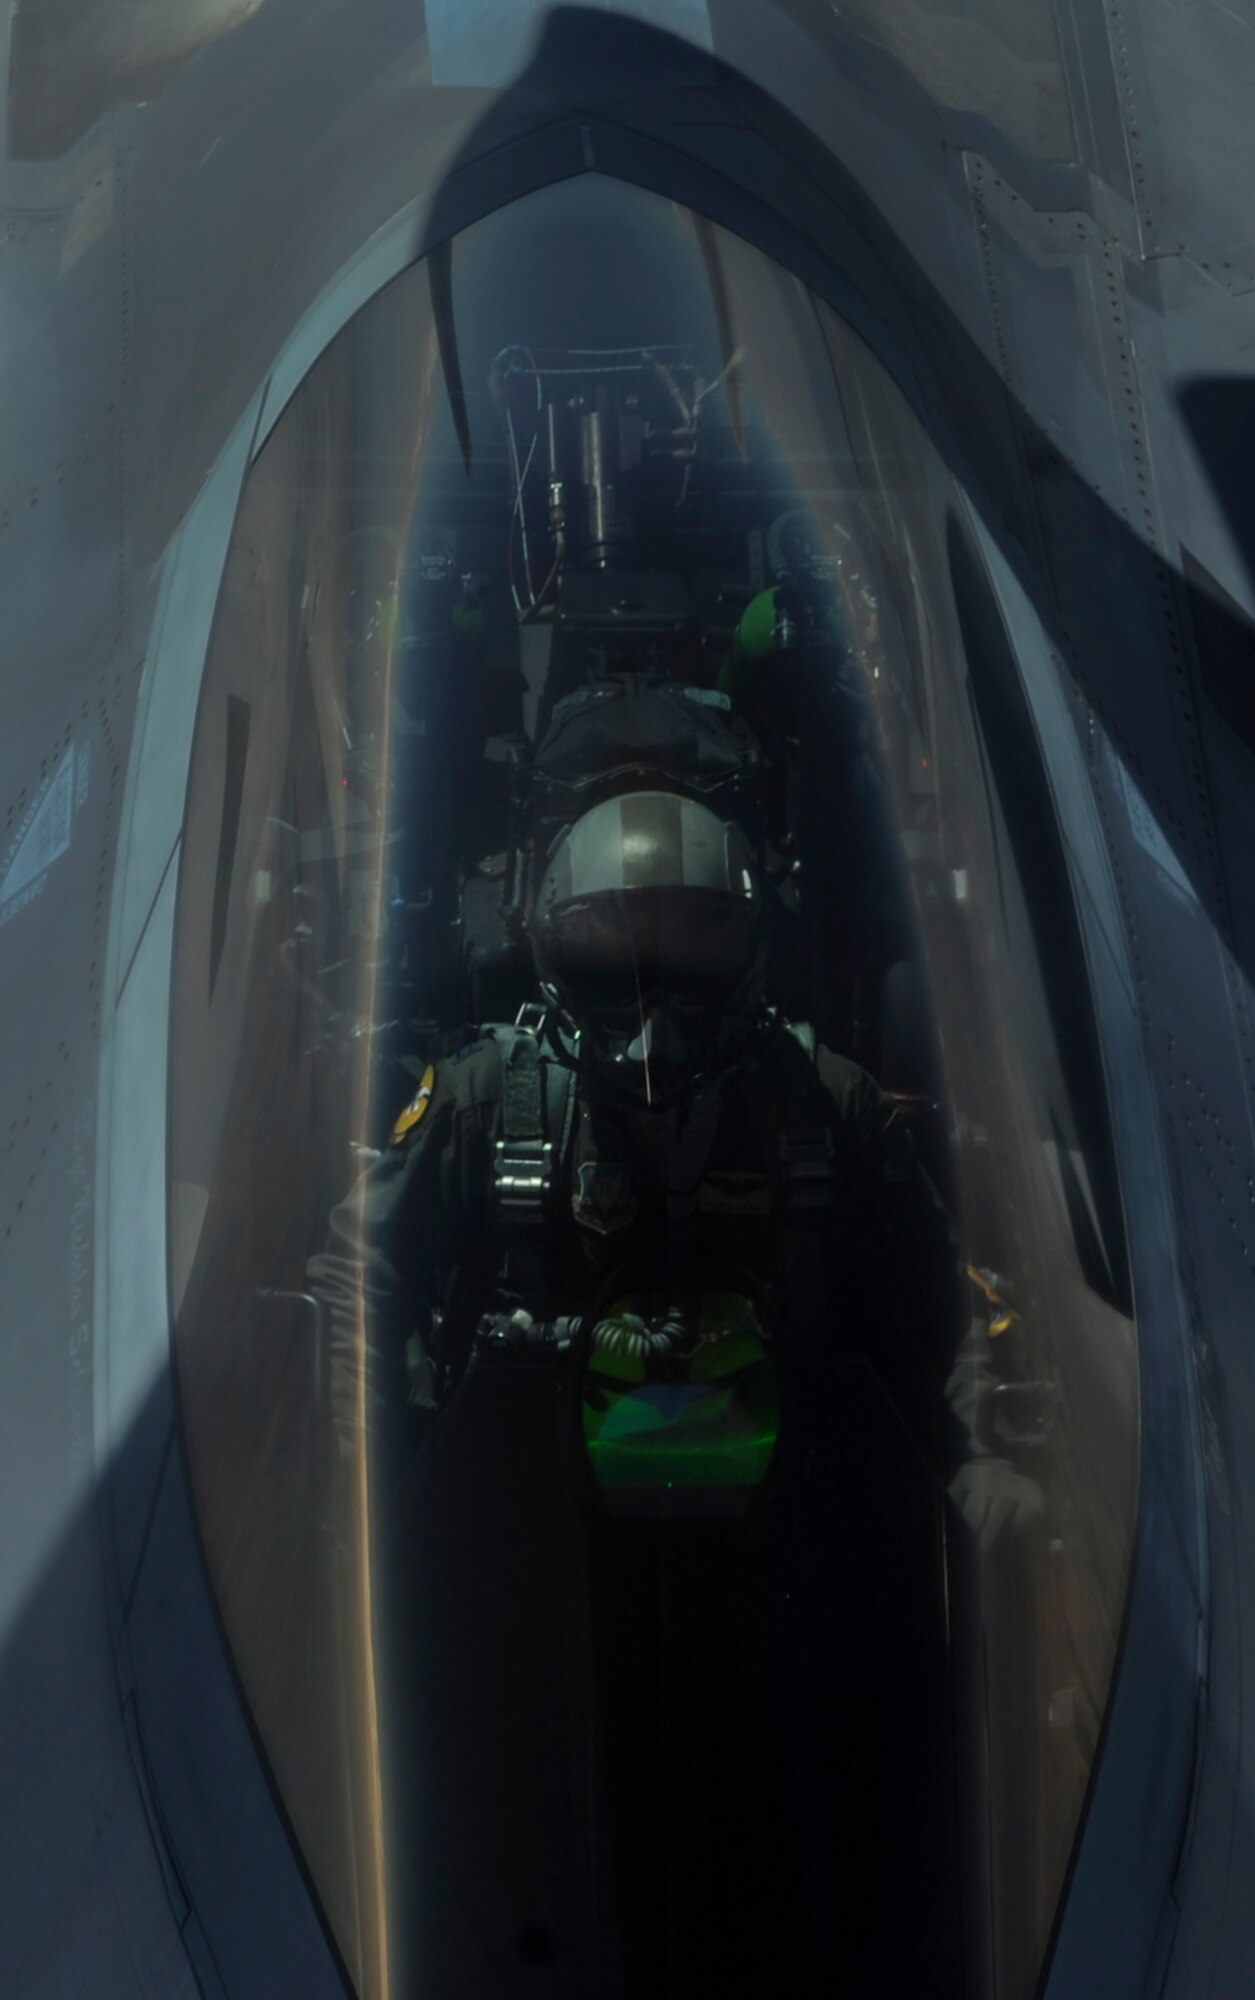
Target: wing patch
x,y
724,1193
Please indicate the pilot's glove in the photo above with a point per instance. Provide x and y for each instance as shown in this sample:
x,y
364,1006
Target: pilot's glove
x,y
993,1497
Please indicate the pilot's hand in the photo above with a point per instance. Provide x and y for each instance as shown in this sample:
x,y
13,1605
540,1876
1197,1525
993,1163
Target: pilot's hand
x,y
993,1498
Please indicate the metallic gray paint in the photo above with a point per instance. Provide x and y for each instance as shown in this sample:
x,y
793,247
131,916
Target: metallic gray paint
x,y
134,348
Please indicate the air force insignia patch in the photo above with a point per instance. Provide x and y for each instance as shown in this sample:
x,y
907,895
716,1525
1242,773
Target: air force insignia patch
x,y
416,1109
603,1199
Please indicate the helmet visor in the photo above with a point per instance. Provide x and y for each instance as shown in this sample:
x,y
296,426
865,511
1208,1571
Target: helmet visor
x,y
607,951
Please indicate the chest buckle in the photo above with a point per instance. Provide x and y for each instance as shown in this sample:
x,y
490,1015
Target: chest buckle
x,y
521,1172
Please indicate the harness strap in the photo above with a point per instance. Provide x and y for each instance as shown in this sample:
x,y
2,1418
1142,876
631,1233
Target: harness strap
x,y
806,1169
523,1157
560,1089
687,1167
537,1101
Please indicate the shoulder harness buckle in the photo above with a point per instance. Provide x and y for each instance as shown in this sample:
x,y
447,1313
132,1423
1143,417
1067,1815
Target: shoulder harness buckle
x,y
521,1171
523,1158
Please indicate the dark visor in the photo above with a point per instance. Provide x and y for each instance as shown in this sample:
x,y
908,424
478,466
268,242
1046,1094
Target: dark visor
x,y
611,947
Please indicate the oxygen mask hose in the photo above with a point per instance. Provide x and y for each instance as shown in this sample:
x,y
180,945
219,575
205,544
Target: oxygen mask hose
x,y
624,1343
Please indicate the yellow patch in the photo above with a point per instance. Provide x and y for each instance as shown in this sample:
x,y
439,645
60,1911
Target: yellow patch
x,y
416,1109
1001,1318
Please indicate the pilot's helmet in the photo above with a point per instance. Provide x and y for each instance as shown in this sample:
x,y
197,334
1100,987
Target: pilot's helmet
x,y
648,933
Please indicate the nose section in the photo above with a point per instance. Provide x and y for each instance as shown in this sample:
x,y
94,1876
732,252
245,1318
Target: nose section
x,y
369,743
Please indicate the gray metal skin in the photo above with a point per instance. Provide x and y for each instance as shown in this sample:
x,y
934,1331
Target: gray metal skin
x,y
1036,218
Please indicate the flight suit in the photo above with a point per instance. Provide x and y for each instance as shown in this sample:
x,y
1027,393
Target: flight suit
x,y
536,1649
794,1170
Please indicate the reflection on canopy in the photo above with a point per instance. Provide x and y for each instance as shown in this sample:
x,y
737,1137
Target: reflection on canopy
x,y
701,547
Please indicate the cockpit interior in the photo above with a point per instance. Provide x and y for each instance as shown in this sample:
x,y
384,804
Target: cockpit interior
x,y
597,503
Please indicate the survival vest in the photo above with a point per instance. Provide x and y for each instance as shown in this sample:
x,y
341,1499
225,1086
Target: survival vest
x,y
532,1152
